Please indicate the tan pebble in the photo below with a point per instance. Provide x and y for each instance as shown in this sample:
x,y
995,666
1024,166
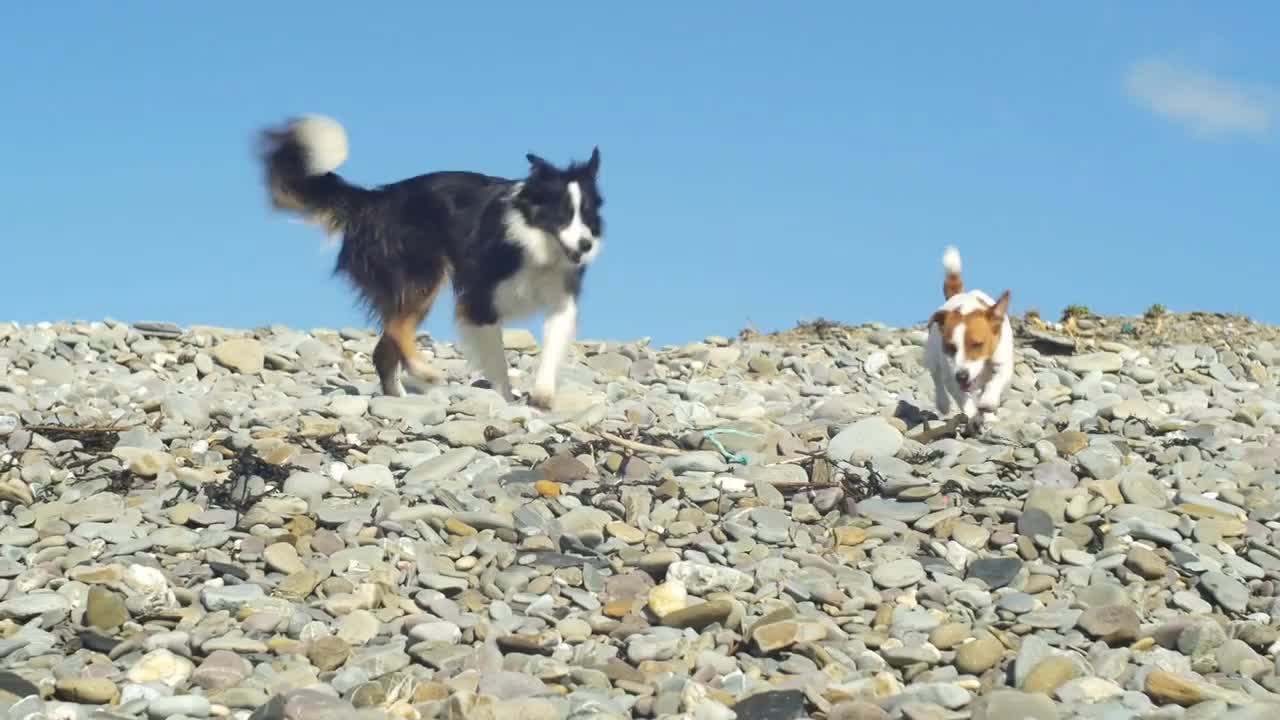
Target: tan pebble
x,y
182,513
1143,644
624,532
459,528
979,655
87,690
849,535
668,597
617,609
780,635
884,616
301,526
1165,687
430,690
949,635
1050,674
328,653
282,453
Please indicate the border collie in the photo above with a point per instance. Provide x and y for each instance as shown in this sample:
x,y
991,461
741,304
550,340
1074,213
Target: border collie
x,y
970,347
509,247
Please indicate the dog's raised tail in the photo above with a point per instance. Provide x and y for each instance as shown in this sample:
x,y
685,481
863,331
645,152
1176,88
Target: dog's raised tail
x,y
952,283
299,160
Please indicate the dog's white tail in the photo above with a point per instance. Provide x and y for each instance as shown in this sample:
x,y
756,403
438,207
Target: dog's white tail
x,y
323,142
299,161
951,261
952,283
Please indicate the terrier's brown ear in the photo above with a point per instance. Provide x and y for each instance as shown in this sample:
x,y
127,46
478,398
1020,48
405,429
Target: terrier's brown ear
x,y
1000,310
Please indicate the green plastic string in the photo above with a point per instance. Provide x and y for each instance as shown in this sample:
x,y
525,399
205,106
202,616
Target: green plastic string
x,y
738,458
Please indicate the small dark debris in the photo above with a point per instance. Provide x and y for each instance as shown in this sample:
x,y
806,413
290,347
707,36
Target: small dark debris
x,y
924,457
235,494
121,482
335,448
975,495
91,439
858,489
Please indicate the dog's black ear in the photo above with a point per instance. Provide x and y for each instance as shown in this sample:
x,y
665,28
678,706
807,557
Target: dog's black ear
x,y
540,166
593,165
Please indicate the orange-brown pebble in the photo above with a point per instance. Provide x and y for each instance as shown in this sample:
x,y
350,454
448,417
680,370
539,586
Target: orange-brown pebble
x,y
457,527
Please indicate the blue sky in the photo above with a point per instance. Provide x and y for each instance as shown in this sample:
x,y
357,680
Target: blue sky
x,y
763,162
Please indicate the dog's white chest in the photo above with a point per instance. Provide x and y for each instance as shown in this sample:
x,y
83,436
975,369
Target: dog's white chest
x,y
531,289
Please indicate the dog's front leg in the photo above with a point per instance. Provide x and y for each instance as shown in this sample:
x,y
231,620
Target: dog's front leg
x,y
969,406
558,332
941,393
386,359
989,401
485,350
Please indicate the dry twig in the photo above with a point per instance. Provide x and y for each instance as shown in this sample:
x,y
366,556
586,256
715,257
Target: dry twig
x,y
636,446
639,446
798,458
77,429
925,437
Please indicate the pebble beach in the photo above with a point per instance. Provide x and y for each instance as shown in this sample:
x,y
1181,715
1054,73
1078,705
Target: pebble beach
x,y
201,522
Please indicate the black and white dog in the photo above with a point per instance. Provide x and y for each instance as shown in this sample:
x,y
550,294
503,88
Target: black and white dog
x,y
510,247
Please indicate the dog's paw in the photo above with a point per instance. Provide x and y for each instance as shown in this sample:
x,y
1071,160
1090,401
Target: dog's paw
x,y
394,388
542,397
975,423
988,407
426,372
942,400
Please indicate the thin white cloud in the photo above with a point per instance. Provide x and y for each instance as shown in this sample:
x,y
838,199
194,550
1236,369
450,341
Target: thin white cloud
x,y
1207,105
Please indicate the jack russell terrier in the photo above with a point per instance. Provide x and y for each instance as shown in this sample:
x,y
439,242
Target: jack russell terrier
x,y
970,347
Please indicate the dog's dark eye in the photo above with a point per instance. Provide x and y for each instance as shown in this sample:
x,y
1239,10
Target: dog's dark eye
x,y
949,347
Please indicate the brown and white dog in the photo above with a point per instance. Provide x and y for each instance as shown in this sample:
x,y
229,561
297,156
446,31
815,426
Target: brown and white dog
x,y
970,347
